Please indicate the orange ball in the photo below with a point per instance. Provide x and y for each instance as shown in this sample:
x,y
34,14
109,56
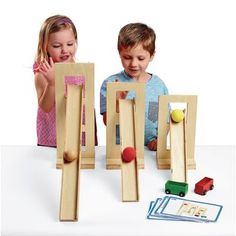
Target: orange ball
x,y
128,154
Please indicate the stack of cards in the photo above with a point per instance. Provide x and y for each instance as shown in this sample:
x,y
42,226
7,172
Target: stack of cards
x,y
176,209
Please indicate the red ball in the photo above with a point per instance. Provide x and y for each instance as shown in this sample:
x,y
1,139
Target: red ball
x,y
128,154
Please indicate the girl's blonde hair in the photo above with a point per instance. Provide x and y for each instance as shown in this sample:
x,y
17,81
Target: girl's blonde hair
x,y
135,33
51,25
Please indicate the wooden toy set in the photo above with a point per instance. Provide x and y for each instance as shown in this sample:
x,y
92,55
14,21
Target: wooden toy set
x,y
75,134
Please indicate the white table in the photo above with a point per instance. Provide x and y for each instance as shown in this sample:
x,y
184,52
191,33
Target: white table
x,y
31,195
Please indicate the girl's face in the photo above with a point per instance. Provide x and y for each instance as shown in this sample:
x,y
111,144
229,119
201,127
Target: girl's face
x,y
135,60
62,46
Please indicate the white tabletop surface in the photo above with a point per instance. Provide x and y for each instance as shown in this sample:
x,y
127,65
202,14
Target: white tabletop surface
x,y
30,195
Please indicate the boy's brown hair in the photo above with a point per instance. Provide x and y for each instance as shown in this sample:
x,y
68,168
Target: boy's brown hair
x,y
135,33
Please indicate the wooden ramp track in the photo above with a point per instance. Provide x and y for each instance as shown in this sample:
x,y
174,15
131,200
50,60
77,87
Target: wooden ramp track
x,y
129,171
178,151
71,170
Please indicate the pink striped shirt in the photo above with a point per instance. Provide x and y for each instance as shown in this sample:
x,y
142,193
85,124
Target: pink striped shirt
x,y
46,127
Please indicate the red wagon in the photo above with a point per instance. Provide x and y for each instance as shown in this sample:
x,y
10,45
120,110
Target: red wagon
x,y
204,185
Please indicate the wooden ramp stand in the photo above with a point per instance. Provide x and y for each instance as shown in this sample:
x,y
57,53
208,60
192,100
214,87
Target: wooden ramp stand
x,y
129,170
71,170
178,151
112,148
163,154
73,73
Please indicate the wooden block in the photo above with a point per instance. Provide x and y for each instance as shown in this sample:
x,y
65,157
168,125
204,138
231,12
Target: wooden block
x,y
86,70
178,151
71,170
129,171
112,149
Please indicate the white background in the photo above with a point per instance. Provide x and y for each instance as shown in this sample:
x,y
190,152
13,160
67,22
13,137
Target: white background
x,y
196,54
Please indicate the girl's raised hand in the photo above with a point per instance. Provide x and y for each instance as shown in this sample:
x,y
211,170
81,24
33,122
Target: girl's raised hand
x,y
48,70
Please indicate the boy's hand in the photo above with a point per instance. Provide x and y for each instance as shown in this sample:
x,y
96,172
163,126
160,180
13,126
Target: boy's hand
x,y
152,145
120,95
48,70
104,116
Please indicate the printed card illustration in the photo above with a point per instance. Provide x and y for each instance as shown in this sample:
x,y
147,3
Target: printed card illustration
x,y
153,213
174,208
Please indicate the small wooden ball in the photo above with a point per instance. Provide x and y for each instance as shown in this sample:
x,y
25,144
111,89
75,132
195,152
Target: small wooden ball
x,y
69,156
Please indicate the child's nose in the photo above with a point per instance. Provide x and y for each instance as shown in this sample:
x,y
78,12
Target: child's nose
x,y
64,49
133,62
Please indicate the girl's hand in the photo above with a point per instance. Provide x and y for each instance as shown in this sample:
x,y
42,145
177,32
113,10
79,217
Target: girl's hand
x,y
152,145
48,70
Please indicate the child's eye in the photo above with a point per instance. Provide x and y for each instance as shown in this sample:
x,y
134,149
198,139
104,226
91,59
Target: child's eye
x,y
70,44
127,58
56,46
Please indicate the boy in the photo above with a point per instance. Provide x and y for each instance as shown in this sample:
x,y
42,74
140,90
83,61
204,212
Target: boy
x,y
136,47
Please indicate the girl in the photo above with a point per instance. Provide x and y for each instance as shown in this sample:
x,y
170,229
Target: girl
x,y
57,43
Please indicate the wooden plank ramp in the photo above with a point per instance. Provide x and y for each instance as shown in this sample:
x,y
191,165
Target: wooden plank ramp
x,y
178,151
129,171
71,170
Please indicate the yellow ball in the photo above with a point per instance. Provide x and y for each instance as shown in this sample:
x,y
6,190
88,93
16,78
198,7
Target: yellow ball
x,y
177,115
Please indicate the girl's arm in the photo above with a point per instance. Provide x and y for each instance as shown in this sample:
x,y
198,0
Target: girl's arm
x,y
45,85
45,92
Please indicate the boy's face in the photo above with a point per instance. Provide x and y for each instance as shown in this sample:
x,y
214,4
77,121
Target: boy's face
x,y
135,60
62,46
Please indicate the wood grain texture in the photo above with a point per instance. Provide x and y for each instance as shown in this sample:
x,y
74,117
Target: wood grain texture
x,y
71,170
85,70
163,153
177,151
113,149
129,171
